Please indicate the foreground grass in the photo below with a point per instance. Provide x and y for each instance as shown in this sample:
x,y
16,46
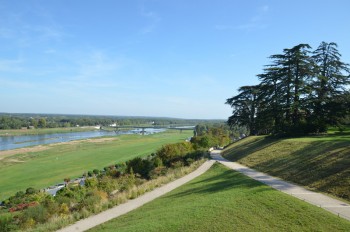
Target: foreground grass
x,y
18,132
42,169
320,163
224,200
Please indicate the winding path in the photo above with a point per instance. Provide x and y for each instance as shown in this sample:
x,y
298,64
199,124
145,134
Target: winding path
x,y
119,210
334,206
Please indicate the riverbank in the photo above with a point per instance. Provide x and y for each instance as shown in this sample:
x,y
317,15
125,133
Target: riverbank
x,y
19,132
50,166
39,148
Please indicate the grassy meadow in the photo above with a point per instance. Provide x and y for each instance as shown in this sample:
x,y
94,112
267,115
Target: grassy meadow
x,y
321,163
44,168
225,200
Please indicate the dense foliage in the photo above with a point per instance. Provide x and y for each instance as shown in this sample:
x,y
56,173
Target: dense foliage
x,y
302,91
213,135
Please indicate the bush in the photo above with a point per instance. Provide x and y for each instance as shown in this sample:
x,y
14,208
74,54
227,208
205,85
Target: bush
x,y
37,213
91,182
140,166
107,184
96,171
171,152
6,223
31,191
159,171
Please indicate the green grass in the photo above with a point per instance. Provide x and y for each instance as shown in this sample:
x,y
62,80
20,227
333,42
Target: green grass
x,y
321,163
42,169
225,200
44,131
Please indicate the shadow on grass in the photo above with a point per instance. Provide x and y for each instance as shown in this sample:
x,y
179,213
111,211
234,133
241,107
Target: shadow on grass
x,y
224,181
247,147
320,165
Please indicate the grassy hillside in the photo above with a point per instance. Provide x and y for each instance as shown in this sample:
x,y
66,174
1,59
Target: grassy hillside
x,y
44,168
321,163
224,200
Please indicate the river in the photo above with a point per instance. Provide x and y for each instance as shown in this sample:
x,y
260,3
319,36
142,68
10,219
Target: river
x,y
13,142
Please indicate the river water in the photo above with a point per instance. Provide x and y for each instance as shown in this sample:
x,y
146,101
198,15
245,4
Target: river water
x,y
13,142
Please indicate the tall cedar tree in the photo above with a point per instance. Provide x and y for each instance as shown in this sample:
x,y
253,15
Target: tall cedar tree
x,y
298,93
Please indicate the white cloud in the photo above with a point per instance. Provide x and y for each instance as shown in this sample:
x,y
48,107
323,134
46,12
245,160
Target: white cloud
x,y
15,27
255,22
153,20
93,70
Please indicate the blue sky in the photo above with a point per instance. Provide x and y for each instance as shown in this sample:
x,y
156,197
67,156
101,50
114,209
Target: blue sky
x,y
173,58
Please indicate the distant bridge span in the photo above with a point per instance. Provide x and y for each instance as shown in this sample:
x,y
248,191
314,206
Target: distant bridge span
x,y
143,128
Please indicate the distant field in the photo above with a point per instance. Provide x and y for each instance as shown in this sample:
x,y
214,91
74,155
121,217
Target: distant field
x,y
44,131
321,163
225,200
44,168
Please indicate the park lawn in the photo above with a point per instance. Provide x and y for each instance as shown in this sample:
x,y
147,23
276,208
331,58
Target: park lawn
x,y
224,200
320,163
39,131
49,167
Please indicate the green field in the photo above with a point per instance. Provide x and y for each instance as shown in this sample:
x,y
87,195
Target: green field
x,y
48,167
225,200
321,163
44,131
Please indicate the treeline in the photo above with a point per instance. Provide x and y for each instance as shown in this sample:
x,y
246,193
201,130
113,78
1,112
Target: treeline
x,y
17,121
300,91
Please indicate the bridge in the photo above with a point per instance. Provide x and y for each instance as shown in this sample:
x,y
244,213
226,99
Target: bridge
x,y
143,128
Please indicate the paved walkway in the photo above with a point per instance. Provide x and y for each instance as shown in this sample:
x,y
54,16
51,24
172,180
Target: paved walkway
x,y
119,210
332,205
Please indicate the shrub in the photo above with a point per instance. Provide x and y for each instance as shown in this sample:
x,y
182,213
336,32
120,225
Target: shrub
x,y
177,164
91,182
38,214
31,191
159,171
140,166
107,184
96,171
171,152
6,223
63,209
90,173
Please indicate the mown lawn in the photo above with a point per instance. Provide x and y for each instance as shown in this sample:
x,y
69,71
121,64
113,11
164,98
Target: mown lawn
x,y
320,163
45,168
225,200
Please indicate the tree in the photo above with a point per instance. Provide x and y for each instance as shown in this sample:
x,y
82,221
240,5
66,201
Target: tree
x,y
244,107
331,79
42,123
298,93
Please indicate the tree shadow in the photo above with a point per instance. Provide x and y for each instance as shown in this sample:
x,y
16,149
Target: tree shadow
x,y
236,153
322,165
225,181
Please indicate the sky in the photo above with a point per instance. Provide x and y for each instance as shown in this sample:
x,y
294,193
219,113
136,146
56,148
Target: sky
x,y
165,58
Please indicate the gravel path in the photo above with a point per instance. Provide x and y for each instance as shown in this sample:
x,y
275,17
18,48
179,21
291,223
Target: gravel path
x,y
334,206
119,210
